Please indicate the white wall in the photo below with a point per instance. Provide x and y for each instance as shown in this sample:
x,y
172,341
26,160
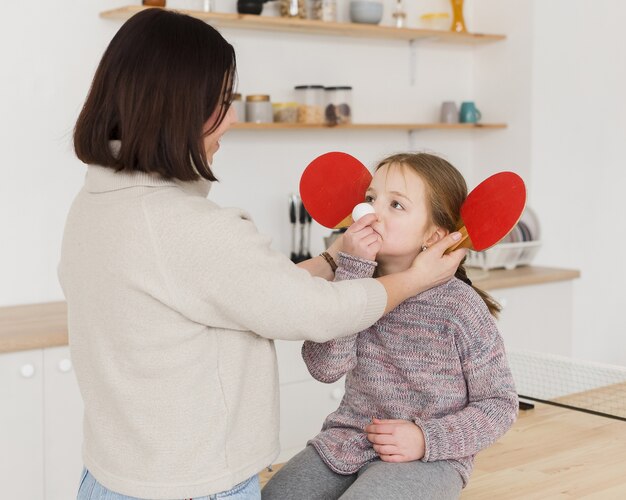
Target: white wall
x,y
579,171
557,81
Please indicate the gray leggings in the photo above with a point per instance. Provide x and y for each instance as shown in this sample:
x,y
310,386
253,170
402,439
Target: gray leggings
x,y
307,477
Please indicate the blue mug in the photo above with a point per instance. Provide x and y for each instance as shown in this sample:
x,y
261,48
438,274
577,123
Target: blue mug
x,y
469,113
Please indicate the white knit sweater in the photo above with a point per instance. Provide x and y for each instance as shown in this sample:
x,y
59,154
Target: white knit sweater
x,y
172,302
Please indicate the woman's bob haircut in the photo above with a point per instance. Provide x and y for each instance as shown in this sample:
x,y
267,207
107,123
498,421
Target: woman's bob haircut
x,y
161,78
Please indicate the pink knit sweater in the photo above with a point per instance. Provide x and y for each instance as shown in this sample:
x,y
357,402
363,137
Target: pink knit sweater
x,y
437,360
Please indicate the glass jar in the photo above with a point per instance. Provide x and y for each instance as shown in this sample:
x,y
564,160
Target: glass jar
x,y
240,108
324,10
259,109
338,108
293,8
285,112
310,103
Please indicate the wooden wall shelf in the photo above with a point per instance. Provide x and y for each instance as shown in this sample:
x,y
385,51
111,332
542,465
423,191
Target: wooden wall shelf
x,y
305,26
369,126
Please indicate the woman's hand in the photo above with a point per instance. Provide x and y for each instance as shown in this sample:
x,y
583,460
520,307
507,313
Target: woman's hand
x,y
433,267
360,240
396,440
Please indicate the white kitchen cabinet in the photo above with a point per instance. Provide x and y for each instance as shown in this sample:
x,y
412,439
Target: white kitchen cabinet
x,y
304,402
303,408
63,424
537,317
21,425
40,425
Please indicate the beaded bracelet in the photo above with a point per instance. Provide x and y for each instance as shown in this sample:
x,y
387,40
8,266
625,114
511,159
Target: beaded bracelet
x,y
329,258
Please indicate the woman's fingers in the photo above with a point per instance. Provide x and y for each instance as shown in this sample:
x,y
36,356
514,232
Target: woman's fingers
x,y
444,243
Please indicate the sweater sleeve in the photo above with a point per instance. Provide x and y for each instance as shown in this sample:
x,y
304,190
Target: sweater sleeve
x,y
329,361
221,272
492,399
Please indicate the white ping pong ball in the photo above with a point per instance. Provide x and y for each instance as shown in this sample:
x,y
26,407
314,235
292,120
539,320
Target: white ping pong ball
x,y
362,209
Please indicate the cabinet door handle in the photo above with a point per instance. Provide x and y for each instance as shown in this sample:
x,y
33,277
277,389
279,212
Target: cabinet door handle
x,y
27,370
65,365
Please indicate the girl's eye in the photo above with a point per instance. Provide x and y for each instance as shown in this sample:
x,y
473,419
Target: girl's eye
x,y
369,199
397,205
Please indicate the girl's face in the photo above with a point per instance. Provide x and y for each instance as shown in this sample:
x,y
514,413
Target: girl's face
x,y
398,195
212,141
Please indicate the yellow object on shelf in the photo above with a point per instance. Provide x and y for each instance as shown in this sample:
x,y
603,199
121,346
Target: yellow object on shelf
x,y
285,112
436,21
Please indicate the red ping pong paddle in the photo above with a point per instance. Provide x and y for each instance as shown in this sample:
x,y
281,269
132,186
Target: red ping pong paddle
x,y
490,211
330,187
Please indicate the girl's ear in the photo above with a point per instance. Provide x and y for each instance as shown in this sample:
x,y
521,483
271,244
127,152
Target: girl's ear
x,y
437,234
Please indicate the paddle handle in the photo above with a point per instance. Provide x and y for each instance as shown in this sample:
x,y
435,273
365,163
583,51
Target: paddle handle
x,y
464,242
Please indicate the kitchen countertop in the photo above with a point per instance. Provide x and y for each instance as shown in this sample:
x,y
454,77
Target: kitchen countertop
x,y
37,326
521,276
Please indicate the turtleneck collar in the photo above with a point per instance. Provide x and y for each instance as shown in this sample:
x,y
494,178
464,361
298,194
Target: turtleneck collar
x,y
102,179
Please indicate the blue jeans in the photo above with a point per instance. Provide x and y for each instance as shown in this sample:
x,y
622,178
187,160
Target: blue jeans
x,y
90,489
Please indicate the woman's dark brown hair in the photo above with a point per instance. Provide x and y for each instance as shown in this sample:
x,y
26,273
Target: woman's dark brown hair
x,y
446,191
160,79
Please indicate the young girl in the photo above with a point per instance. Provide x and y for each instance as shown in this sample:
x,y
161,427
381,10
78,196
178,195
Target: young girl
x,y
428,385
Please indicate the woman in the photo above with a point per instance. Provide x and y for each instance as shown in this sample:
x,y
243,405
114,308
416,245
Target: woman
x,y
173,300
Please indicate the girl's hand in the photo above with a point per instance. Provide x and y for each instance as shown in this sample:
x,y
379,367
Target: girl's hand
x,y
360,240
396,440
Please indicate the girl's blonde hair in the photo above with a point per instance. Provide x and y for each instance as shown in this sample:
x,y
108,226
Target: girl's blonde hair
x,y
446,191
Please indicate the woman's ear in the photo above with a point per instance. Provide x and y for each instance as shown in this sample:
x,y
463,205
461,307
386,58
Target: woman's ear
x,y
437,234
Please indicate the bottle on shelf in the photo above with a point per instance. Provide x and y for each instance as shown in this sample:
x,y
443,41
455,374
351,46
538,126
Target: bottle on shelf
x,y
240,108
293,8
338,108
324,10
399,15
310,103
259,109
153,3
458,22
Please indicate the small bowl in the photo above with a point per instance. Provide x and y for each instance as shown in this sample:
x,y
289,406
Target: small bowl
x,y
250,7
366,11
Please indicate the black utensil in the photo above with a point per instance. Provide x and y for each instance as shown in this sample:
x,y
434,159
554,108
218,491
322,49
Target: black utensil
x,y
309,219
292,219
302,216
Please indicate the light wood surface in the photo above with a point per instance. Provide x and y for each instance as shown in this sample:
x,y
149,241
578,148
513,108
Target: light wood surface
x,y
305,26
37,326
33,326
520,276
550,453
369,126
610,399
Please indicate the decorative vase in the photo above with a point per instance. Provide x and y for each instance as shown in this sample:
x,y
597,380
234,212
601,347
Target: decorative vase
x,y
458,23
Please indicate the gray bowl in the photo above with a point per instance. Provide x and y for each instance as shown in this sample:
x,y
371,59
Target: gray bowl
x,y
366,11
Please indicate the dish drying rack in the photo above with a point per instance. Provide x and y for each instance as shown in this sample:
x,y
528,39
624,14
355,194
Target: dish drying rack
x,y
518,248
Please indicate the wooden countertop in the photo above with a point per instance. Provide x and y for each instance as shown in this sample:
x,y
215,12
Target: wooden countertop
x,y
549,452
37,326
33,326
521,276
